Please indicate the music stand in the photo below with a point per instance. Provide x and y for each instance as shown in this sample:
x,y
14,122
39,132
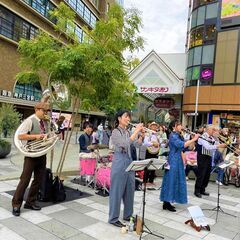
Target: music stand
x,y
151,164
218,208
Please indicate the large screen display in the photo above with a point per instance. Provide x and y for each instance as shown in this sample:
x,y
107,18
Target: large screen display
x,y
230,13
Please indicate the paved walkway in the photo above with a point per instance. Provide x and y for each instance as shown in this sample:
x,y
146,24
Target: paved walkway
x,y
86,218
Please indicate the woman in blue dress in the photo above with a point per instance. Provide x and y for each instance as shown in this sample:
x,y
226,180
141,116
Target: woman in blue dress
x,y
174,188
122,182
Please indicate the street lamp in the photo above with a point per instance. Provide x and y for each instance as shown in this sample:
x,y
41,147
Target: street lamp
x,y
196,106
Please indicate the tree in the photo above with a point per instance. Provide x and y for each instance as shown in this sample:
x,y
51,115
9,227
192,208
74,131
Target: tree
x,y
93,71
9,119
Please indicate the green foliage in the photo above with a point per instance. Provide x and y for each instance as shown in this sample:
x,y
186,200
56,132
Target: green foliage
x,y
4,143
9,118
93,71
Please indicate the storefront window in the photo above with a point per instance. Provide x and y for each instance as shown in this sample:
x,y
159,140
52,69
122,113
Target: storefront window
x,y
210,33
201,15
199,36
208,54
212,11
196,73
188,76
192,39
28,91
197,56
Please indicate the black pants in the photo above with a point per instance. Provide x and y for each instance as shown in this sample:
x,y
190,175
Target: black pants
x,y
189,168
150,174
204,163
31,165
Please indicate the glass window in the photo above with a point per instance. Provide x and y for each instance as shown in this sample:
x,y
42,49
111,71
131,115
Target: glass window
x,y
195,73
79,33
212,11
6,23
87,15
201,15
40,6
194,19
208,54
210,33
72,3
80,7
14,27
199,36
197,56
192,39
26,90
188,76
93,20
190,57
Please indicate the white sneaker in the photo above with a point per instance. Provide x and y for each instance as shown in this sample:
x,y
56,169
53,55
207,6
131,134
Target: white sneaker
x,y
219,183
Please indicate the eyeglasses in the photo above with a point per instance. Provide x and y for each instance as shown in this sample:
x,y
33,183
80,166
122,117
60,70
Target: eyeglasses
x,y
44,111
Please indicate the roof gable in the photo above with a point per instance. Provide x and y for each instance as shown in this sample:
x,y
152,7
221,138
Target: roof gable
x,y
154,75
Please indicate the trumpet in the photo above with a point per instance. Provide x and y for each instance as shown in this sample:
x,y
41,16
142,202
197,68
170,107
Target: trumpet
x,y
145,129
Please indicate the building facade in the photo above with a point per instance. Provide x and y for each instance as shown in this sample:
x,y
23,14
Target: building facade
x,y
159,81
212,48
22,19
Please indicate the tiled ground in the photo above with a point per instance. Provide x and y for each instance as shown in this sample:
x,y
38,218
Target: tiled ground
x,y
86,218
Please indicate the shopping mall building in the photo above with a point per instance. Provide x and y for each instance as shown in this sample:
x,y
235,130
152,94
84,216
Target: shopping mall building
x,y
22,19
213,63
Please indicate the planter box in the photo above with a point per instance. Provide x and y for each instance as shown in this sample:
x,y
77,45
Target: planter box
x,y
5,150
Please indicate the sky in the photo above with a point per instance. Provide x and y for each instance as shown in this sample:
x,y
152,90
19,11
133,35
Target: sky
x,y
165,25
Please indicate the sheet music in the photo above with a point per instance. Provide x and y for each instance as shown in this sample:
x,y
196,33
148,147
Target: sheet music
x,y
225,164
140,165
197,216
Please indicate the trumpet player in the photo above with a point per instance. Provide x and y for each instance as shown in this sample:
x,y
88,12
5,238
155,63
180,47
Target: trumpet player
x,y
34,128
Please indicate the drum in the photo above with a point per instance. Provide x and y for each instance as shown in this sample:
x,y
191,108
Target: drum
x,y
103,177
87,166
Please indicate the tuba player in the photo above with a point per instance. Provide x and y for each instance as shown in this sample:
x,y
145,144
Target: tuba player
x,y
34,128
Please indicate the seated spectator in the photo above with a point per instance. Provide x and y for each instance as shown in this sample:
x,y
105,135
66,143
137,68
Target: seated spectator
x,y
191,161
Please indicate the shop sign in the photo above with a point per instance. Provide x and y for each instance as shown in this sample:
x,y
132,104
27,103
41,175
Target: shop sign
x,y
206,74
192,114
6,93
154,89
163,102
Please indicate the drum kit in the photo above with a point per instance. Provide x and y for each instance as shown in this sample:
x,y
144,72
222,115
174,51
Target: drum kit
x,y
96,170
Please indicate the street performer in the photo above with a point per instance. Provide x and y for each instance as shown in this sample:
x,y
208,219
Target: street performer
x,y
122,182
34,128
206,145
152,142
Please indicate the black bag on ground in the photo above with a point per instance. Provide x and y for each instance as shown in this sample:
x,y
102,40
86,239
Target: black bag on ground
x,y
58,191
45,191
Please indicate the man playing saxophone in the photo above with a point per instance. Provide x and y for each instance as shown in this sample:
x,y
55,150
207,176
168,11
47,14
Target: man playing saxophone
x,y
34,128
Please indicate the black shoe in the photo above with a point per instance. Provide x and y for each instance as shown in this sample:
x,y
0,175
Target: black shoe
x,y
118,224
32,207
16,211
205,193
199,195
169,207
128,219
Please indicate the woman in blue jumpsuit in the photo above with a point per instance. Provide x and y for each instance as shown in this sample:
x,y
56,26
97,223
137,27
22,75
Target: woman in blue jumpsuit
x,y
174,187
122,182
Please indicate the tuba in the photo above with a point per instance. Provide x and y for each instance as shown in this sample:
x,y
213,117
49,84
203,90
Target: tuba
x,y
38,148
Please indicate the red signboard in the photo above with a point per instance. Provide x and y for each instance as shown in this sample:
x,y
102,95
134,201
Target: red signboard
x,y
163,102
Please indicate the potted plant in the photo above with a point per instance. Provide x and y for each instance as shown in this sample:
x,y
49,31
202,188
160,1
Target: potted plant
x,y
9,121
